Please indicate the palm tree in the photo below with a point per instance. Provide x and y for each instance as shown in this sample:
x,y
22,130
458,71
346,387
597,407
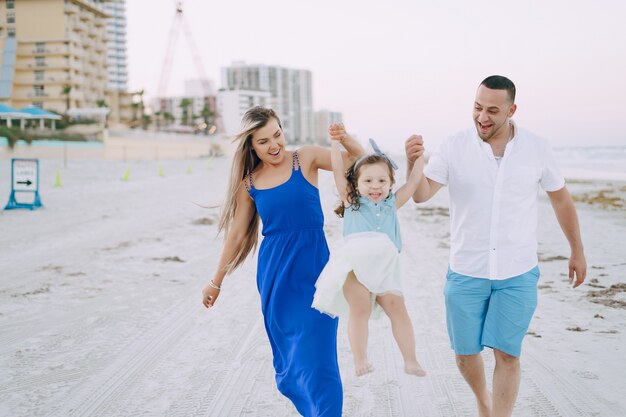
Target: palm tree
x,y
67,89
133,122
101,104
169,119
157,119
184,104
142,109
207,116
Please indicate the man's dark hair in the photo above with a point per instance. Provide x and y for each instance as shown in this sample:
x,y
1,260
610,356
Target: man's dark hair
x,y
498,82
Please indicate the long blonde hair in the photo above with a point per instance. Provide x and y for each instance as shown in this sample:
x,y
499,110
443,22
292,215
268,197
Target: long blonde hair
x,y
244,163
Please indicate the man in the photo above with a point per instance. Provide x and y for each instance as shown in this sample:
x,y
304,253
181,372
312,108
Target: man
x,y
493,173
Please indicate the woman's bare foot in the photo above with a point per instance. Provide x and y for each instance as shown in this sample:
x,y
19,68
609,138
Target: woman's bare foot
x,y
363,367
414,368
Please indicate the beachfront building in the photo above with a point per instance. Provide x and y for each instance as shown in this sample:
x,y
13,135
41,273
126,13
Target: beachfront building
x,y
232,105
116,45
323,119
118,99
54,55
291,90
51,45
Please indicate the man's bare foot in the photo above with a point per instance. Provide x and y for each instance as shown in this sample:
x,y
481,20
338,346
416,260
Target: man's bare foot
x,y
414,368
484,406
363,367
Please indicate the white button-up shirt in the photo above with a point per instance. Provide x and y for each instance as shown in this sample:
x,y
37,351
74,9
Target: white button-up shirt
x,y
493,207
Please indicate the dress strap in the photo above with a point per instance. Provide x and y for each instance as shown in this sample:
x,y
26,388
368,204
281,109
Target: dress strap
x,y
296,161
247,182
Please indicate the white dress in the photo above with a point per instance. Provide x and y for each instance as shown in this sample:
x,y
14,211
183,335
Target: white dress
x,y
372,255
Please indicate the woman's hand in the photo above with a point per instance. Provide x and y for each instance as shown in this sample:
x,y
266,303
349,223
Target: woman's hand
x,y
337,132
210,294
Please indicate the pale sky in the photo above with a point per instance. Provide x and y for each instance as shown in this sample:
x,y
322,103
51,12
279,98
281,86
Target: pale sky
x,y
394,67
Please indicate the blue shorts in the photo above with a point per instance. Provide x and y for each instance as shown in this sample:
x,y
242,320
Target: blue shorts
x,y
494,313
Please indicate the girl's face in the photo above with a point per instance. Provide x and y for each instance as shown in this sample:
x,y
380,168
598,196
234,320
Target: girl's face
x,y
374,181
269,143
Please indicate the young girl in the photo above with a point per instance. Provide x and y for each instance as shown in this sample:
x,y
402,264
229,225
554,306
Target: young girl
x,y
363,274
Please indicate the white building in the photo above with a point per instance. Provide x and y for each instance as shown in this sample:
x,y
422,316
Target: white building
x,y
199,88
116,45
291,89
232,105
323,119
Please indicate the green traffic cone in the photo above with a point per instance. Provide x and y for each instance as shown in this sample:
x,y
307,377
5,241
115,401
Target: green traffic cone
x,y
57,179
126,175
189,169
210,163
161,171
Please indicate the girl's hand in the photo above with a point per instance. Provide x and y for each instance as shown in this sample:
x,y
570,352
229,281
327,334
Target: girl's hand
x,y
414,147
210,294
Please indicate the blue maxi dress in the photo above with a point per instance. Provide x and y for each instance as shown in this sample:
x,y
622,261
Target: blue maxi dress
x,y
291,256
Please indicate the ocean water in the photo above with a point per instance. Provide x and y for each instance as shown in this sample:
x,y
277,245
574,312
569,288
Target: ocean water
x,y
592,163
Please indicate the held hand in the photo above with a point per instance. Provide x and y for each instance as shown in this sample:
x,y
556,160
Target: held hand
x,y
210,294
414,147
337,131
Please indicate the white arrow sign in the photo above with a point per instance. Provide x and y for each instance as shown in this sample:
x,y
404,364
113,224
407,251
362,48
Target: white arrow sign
x,y
25,175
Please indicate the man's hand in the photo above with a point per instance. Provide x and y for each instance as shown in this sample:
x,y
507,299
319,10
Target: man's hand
x,y
414,147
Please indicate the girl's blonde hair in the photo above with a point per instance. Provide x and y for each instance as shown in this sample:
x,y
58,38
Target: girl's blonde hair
x,y
352,177
244,163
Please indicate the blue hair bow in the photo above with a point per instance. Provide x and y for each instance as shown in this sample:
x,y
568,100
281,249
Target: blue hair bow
x,y
377,151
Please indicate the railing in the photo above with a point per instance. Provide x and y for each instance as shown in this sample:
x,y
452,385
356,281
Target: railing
x,y
37,94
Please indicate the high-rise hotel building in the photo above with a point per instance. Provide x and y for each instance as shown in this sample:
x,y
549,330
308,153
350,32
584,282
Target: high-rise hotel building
x,y
51,45
116,44
291,92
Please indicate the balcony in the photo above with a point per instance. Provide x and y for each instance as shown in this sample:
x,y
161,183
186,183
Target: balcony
x,y
37,93
71,8
86,16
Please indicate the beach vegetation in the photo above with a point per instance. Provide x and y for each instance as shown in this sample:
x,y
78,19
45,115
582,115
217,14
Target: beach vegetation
x,y
14,134
604,198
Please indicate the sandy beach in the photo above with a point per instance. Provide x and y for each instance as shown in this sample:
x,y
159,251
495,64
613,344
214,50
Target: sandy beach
x,y
100,311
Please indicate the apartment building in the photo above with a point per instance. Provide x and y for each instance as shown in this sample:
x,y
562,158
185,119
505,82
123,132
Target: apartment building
x,y
116,45
291,90
233,104
54,55
118,98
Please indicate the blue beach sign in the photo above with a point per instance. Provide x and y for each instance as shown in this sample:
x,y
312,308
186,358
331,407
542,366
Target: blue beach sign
x,y
24,184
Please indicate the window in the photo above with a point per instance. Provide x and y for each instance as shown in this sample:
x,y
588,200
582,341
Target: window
x,y
10,4
38,104
38,90
40,61
11,32
10,17
39,75
40,47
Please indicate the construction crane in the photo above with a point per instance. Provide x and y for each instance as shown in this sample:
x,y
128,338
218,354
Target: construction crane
x,y
179,23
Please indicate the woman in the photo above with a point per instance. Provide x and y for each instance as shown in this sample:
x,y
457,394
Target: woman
x,y
280,187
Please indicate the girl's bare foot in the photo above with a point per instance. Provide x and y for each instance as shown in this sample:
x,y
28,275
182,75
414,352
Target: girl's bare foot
x,y
414,368
363,367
